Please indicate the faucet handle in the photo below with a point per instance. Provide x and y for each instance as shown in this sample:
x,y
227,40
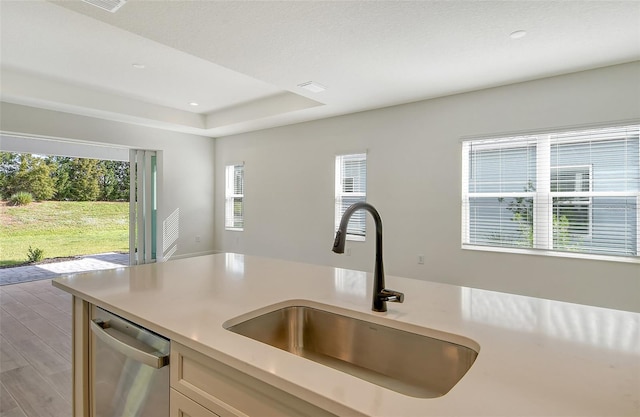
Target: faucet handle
x,y
391,296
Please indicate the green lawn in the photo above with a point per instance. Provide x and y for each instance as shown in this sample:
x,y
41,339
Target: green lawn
x,y
62,228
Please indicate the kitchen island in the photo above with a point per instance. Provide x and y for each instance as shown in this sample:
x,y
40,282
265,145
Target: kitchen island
x,y
535,357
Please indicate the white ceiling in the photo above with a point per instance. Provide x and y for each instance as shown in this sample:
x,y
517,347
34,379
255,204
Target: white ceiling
x,y
242,61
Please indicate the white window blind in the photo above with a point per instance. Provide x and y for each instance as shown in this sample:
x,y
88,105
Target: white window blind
x,y
234,197
351,187
573,191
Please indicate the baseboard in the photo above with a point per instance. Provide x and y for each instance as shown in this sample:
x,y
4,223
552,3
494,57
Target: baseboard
x,y
193,254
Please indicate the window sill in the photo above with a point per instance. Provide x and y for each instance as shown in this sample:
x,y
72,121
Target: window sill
x,y
234,229
542,252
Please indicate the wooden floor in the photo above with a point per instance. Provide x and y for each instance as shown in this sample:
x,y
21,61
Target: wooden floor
x,y
35,350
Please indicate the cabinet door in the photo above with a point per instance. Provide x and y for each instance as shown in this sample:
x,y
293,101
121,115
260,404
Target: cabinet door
x,y
231,393
181,406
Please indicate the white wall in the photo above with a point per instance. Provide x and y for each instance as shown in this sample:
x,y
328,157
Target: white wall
x,y
414,179
187,164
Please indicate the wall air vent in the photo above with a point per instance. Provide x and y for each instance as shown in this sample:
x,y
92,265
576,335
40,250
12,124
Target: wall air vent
x,y
108,5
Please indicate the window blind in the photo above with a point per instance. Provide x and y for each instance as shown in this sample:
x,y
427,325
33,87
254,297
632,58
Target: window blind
x,y
572,191
234,197
351,187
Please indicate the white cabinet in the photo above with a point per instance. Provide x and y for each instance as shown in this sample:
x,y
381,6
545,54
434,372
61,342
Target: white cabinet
x,y
181,406
227,392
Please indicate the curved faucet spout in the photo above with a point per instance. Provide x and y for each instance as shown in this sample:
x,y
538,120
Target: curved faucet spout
x,y
341,234
380,294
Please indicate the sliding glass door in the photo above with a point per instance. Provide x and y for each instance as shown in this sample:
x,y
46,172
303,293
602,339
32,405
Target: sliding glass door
x,y
143,207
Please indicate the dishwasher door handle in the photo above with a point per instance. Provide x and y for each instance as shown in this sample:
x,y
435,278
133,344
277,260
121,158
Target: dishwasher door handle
x,y
102,330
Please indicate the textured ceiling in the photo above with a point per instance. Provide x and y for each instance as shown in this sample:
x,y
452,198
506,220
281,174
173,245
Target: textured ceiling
x,y
242,61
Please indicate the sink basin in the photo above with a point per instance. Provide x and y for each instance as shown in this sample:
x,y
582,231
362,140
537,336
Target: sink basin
x,y
407,362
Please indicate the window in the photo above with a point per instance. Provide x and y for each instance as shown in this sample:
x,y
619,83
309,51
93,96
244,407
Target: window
x,y
351,187
234,197
566,182
575,191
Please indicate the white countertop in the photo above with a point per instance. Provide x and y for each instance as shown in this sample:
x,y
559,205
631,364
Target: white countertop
x,y
537,357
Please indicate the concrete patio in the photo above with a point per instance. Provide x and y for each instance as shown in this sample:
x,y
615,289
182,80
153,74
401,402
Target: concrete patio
x,y
29,273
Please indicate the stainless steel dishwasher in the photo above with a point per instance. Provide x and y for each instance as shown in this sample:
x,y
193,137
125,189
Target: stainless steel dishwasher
x,y
129,368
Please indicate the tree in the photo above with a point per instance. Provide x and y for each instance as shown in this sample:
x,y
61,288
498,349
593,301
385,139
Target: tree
x,y
62,176
9,165
84,178
522,209
114,180
34,175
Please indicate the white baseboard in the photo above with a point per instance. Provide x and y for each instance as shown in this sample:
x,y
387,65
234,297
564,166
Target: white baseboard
x,y
193,254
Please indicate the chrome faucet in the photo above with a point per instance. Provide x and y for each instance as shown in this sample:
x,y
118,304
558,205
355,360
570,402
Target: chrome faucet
x,y
380,294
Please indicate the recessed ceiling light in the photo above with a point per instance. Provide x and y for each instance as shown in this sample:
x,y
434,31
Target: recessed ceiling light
x,y
194,104
312,86
518,34
138,66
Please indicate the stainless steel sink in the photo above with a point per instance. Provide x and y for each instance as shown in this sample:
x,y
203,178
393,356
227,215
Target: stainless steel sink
x,y
406,362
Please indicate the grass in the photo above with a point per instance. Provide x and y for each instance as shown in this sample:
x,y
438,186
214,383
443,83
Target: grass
x,y
62,229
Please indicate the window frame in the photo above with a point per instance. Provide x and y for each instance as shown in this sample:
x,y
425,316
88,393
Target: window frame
x,y
543,241
231,196
339,192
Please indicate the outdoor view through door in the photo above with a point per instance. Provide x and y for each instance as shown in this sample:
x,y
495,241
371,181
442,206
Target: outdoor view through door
x,y
70,207
58,210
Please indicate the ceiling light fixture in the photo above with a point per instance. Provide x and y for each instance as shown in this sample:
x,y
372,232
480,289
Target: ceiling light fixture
x,y
138,66
312,86
518,34
194,104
